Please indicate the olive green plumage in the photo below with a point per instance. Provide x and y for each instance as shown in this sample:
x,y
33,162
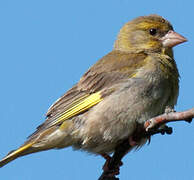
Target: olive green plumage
x,y
131,84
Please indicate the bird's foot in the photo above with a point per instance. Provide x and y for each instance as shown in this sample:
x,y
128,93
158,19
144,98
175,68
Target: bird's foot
x,y
106,168
165,130
154,123
162,130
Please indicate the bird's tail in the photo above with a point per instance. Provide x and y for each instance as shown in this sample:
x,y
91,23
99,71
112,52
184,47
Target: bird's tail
x,y
23,150
39,141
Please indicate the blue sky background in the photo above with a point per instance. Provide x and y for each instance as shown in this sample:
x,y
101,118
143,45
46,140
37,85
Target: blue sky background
x,y
45,47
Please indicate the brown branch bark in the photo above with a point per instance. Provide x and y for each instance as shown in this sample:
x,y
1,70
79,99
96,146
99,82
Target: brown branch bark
x,y
150,128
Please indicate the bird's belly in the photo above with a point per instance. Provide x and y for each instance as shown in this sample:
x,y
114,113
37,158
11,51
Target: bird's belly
x,y
117,117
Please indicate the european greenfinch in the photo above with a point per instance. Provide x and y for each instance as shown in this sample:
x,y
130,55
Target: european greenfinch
x,y
128,86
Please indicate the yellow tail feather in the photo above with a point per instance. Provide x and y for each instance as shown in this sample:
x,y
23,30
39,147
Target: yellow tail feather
x,y
15,154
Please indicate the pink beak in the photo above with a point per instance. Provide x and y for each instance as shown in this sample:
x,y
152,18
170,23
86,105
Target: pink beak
x,y
172,39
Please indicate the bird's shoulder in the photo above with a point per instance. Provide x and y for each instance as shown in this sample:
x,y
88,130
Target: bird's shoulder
x,y
113,67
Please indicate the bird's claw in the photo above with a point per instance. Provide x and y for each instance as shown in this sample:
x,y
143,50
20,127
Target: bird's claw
x,y
150,124
152,129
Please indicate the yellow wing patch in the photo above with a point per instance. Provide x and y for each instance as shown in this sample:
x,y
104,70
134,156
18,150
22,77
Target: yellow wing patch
x,y
80,106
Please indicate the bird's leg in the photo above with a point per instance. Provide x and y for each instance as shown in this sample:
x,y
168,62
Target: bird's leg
x,y
112,165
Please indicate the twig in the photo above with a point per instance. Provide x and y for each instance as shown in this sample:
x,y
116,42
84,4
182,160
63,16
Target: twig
x,y
169,117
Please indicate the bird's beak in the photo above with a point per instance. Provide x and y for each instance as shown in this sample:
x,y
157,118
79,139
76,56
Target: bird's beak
x,y
172,39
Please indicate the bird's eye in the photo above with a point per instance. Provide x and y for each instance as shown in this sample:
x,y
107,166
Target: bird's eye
x,y
153,31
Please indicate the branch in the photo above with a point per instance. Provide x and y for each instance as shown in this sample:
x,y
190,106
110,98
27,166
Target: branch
x,y
169,117
150,128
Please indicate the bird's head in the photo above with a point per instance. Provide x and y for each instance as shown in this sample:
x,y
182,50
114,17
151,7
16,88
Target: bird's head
x,y
149,34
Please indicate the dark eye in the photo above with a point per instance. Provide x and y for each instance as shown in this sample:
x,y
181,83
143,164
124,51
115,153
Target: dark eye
x,y
153,31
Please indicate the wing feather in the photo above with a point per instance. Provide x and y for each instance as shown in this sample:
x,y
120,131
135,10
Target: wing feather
x,y
111,69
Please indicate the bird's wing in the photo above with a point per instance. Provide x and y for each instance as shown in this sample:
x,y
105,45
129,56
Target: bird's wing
x,y
93,86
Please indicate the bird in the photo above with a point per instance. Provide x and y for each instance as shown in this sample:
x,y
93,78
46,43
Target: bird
x,y
133,83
